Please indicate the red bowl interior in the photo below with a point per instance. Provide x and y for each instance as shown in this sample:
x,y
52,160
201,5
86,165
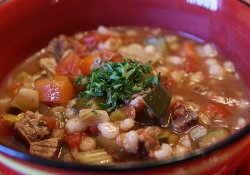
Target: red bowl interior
x,y
27,26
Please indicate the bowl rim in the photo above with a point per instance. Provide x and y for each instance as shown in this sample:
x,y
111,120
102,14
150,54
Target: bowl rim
x,y
199,153
196,154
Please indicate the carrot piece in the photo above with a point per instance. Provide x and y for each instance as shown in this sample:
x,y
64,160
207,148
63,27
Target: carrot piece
x,y
88,63
189,49
70,66
5,128
55,90
216,110
51,122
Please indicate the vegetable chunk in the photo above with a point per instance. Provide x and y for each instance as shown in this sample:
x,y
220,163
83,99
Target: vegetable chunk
x,y
26,99
158,100
55,90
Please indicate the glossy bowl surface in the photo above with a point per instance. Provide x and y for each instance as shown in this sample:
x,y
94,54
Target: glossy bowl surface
x,y
27,25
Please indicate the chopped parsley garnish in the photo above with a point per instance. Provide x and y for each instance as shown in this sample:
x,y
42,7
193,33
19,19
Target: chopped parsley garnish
x,y
119,82
81,80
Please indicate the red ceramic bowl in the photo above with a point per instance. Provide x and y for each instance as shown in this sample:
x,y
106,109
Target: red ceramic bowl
x,y
27,25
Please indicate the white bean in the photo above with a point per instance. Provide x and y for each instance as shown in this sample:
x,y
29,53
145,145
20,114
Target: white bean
x,y
229,66
177,76
150,49
240,123
135,51
164,152
87,144
103,30
197,132
196,77
127,124
108,130
180,150
75,125
131,141
207,50
176,60
244,104
106,31
214,68
185,141
216,71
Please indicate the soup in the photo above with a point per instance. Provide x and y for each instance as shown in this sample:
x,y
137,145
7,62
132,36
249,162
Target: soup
x,y
122,94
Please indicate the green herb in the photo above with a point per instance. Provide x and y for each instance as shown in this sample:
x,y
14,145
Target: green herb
x,y
153,79
118,82
94,112
81,80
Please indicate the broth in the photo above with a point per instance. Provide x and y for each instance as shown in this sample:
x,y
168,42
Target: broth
x,y
121,94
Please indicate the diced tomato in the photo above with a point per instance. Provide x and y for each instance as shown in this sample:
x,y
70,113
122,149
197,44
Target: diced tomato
x,y
216,110
193,61
51,122
188,68
92,39
5,128
167,82
80,49
74,140
88,63
69,66
178,108
177,103
109,54
94,131
55,90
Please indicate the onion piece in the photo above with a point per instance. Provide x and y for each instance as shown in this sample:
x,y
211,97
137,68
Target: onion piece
x,y
92,117
26,99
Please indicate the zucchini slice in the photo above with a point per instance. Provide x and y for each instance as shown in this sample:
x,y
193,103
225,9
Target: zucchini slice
x,y
158,100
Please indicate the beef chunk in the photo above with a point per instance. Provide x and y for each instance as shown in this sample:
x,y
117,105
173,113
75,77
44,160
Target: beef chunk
x,y
182,118
29,129
45,148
